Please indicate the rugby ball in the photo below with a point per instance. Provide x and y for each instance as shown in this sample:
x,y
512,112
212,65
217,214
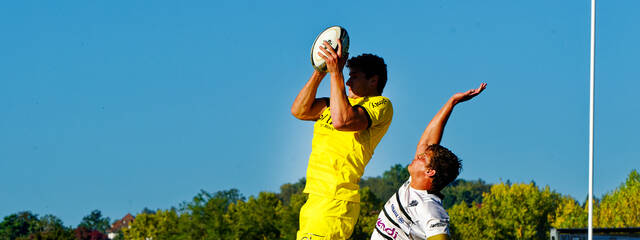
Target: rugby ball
x,y
331,35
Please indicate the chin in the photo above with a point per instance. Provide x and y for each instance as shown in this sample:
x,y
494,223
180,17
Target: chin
x,y
413,176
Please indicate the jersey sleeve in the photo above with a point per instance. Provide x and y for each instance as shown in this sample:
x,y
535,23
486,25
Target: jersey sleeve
x,y
435,227
436,221
380,111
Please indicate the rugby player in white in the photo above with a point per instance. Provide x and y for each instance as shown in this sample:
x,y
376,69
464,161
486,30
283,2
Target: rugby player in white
x,y
415,211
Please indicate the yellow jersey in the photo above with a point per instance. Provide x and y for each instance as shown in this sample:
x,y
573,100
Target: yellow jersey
x,y
338,158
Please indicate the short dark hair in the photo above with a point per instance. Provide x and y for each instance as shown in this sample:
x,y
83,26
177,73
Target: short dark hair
x,y
446,164
370,65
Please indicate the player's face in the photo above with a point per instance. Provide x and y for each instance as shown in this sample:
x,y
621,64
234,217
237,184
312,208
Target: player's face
x,y
420,172
358,84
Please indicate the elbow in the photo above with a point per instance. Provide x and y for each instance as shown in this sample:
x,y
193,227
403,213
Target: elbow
x,y
297,114
339,125
302,115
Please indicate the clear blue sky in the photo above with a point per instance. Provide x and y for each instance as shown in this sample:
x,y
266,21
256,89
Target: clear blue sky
x,y
121,105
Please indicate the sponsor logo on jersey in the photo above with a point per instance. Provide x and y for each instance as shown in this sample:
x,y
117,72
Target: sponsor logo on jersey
x,y
326,118
326,122
378,103
439,224
393,209
413,203
391,231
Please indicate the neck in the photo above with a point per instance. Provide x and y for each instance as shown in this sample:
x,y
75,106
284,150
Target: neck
x,y
354,95
418,185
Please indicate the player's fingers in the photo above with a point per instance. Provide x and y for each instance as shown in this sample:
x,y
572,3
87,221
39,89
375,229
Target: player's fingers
x,y
323,49
475,92
326,44
325,52
322,56
329,49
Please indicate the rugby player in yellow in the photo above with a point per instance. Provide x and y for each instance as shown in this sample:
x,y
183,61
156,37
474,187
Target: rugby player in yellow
x,y
346,132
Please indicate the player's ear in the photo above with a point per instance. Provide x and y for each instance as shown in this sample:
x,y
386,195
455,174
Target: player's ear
x,y
373,81
431,172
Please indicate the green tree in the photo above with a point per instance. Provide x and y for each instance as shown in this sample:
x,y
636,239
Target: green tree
x,y
18,225
384,187
370,206
518,211
95,221
163,224
466,221
51,227
141,228
287,190
617,209
25,225
570,214
204,217
290,216
166,224
465,191
620,208
120,235
257,218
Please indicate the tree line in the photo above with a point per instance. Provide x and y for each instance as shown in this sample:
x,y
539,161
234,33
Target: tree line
x,y
28,226
478,211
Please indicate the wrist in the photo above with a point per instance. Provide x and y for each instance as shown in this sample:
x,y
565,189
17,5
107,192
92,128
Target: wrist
x,y
318,75
452,101
336,73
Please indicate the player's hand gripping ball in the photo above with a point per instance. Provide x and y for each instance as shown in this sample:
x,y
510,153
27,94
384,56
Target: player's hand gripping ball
x,y
332,35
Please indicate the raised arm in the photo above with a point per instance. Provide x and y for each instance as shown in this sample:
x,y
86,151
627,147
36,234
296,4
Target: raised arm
x,y
433,133
307,106
344,117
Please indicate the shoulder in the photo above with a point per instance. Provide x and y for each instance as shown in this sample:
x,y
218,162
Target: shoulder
x,y
377,105
378,101
432,208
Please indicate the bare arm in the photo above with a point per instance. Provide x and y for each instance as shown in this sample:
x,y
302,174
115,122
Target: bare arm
x,y
344,116
433,133
307,106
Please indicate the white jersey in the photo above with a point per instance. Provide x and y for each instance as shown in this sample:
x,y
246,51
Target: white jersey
x,y
411,214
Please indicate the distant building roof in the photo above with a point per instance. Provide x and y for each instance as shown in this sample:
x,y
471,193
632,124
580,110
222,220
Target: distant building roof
x,y
122,223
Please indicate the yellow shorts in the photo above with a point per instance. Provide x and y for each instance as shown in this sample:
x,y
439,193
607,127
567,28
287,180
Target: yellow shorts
x,y
327,219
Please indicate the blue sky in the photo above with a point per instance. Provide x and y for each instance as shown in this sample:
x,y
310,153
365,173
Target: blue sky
x,y
121,105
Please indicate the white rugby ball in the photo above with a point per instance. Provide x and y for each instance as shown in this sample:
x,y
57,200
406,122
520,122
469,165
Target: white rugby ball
x,y
332,35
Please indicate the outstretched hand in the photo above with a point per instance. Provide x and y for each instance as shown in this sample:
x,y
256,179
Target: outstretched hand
x,y
464,96
334,60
